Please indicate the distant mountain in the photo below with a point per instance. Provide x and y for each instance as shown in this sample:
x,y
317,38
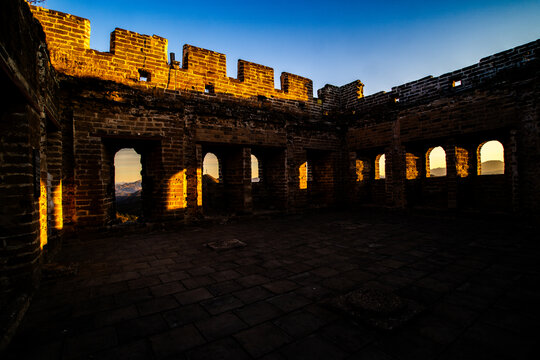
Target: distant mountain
x,y
437,172
125,189
492,167
129,204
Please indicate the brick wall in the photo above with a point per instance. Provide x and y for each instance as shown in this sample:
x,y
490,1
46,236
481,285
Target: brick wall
x,y
493,102
68,38
30,169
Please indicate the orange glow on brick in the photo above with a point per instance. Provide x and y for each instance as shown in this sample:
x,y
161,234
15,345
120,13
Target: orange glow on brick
x,y
43,214
177,191
302,175
199,187
58,213
359,170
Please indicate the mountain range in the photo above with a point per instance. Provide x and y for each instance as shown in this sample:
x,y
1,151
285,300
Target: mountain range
x,y
491,167
125,189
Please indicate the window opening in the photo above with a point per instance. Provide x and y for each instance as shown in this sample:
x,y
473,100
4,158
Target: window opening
x,y
255,175
144,76
491,158
128,186
380,167
436,162
211,167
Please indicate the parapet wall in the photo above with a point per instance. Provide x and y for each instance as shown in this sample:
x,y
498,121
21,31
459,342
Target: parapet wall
x,y
431,88
133,57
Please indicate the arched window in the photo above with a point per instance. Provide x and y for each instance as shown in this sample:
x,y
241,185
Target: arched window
x,y
436,162
211,166
380,167
255,175
491,158
128,187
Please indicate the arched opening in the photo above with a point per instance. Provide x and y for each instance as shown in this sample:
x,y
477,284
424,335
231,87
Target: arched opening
x,y
211,167
380,167
491,158
255,174
436,162
128,184
214,194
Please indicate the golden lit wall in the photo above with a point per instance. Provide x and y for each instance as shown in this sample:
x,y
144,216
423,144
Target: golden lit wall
x,y
302,176
68,39
359,170
412,166
199,187
43,214
462,162
177,191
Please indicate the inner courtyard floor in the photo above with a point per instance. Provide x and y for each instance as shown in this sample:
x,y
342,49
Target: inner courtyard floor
x,y
164,294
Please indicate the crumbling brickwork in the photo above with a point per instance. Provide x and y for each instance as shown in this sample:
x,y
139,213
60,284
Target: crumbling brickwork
x,y
30,161
494,101
132,55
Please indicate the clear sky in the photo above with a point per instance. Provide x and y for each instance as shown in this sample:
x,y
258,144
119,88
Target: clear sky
x,y
127,166
381,43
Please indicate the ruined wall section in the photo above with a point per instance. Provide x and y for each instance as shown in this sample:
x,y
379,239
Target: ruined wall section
x,y
495,100
339,98
169,131
133,56
425,90
28,124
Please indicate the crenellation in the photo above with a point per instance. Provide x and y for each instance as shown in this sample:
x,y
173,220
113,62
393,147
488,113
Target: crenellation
x,y
68,37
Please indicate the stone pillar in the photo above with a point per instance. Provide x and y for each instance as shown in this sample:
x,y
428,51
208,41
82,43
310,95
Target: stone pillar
x,y
193,162
511,167
451,175
20,192
275,178
237,179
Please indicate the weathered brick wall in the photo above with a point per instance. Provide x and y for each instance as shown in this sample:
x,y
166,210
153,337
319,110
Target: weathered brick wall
x,y
495,101
68,38
172,132
29,176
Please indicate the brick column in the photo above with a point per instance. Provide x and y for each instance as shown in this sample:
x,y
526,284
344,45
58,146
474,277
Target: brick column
x,y
20,190
275,177
193,162
451,175
511,167
237,179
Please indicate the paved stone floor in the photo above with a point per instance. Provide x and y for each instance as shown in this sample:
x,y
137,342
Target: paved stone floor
x,y
165,295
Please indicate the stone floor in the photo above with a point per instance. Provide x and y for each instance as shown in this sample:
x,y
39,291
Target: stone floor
x,y
165,295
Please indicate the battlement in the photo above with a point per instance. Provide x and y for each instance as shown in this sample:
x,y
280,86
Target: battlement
x,y
430,88
141,60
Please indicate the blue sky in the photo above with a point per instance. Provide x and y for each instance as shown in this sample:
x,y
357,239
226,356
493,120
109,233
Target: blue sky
x,y
382,43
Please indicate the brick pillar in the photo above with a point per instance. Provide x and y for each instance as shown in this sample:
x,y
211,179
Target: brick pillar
x,y
54,169
396,169
237,179
20,173
399,176
247,198
451,175
389,176
193,162
352,181
275,178
511,167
